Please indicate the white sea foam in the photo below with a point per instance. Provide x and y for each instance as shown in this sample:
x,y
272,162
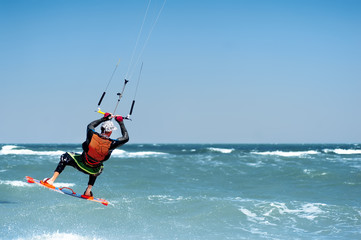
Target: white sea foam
x,y
17,183
59,236
311,210
166,198
312,173
308,211
13,150
343,151
288,154
192,150
122,153
255,164
269,212
14,183
221,150
251,216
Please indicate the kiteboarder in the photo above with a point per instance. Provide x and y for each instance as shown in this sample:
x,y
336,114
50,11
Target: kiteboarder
x,y
97,148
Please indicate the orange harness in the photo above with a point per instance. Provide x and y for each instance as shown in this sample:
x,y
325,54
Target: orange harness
x,y
98,150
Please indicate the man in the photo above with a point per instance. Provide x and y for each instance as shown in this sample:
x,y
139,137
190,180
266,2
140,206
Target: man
x,y
97,148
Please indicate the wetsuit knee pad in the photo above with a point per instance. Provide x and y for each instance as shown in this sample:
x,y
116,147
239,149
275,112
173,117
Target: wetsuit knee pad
x,y
65,159
92,179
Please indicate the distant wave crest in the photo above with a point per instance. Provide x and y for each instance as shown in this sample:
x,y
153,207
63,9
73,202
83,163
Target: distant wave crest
x,y
221,150
309,152
343,151
122,153
288,154
14,150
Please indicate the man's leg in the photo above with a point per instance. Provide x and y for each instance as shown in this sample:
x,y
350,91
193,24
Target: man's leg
x,y
65,160
88,191
91,182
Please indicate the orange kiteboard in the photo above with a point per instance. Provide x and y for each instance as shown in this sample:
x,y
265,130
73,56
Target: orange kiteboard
x,y
66,190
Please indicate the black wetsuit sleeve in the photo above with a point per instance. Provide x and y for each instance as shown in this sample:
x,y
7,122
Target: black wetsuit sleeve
x,y
123,139
95,123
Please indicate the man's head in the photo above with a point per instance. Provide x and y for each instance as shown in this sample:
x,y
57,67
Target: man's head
x,y
107,128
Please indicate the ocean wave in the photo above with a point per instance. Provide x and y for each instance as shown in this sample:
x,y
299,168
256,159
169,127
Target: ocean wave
x,y
122,153
308,210
255,164
251,216
313,173
270,213
59,236
166,198
288,154
221,150
13,150
17,183
343,151
14,183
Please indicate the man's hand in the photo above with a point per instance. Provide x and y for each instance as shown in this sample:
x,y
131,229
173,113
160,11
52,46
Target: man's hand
x,y
119,118
108,116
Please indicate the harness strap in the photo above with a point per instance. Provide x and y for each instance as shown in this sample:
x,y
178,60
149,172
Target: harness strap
x,y
90,161
93,170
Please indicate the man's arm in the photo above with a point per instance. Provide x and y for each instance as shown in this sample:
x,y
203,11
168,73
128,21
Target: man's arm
x,y
95,123
125,137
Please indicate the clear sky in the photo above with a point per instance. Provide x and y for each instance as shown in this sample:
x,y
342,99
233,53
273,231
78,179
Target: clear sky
x,y
226,71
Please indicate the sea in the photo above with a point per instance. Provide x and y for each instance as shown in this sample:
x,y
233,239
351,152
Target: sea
x,y
187,191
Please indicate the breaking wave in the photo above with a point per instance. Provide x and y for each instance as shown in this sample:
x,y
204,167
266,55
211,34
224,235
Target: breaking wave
x,y
288,154
343,151
14,150
14,183
17,183
221,150
122,153
59,236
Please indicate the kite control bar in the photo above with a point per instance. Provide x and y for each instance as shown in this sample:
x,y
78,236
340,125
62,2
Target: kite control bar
x,y
127,117
120,96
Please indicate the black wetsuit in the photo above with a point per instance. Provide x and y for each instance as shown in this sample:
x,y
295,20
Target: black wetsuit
x,y
66,158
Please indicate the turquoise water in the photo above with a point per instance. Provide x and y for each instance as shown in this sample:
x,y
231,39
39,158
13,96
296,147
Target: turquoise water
x,y
187,192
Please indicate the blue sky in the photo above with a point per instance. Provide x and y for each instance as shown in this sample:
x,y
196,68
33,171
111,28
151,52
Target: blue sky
x,y
227,71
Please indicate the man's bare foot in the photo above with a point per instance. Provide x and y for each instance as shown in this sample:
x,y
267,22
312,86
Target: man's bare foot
x,y
48,181
88,193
